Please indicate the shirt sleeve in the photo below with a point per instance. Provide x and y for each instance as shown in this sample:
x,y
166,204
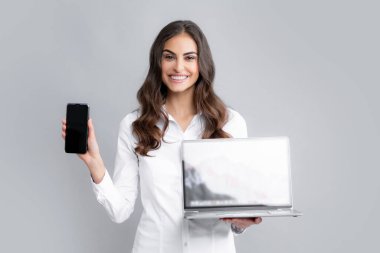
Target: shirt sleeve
x,y
236,125
118,196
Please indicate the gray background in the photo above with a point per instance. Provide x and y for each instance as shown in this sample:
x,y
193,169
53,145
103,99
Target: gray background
x,y
306,69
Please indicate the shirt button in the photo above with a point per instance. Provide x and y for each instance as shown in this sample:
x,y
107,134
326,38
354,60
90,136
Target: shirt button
x,y
185,244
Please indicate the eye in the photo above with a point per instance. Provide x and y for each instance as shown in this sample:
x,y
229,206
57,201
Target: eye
x,y
190,57
168,57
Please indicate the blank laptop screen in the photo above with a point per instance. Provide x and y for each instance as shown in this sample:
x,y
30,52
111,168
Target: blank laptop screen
x,y
236,172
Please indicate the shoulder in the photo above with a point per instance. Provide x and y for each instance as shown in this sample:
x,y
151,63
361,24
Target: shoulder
x,y
125,127
128,119
234,116
235,125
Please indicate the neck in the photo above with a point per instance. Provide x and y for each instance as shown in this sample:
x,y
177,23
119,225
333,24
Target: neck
x,y
181,104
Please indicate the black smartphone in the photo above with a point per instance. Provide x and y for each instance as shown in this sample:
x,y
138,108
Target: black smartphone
x,y
76,128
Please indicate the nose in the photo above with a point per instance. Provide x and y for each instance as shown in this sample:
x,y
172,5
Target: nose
x,y
179,65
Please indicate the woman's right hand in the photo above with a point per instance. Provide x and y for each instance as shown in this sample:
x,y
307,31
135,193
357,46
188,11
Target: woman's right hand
x,y
92,157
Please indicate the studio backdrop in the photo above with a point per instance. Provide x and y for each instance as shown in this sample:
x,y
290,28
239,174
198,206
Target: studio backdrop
x,y
303,69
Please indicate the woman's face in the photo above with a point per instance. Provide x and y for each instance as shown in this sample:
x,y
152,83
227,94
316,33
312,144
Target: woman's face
x,y
179,63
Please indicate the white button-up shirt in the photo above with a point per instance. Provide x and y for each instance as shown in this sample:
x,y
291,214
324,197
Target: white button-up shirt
x,y
162,228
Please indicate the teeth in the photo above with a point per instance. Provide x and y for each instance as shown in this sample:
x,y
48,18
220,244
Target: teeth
x,y
178,77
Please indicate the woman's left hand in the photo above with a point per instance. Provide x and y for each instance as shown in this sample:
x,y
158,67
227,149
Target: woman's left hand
x,y
243,223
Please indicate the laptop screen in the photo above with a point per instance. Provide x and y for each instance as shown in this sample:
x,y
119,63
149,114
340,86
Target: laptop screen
x,y
236,172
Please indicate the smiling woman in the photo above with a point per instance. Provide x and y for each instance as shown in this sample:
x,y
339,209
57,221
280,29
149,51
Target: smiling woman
x,y
177,102
180,77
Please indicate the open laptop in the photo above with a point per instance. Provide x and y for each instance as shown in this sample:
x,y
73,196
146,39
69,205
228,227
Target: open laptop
x,y
237,178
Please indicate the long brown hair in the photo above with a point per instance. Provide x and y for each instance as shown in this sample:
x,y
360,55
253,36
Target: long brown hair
x,y
153,92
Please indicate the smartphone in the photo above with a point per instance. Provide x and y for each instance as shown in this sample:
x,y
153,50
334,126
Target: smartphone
x,y
76,128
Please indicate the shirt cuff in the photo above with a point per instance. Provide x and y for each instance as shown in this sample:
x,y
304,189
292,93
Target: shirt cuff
x,y
236,230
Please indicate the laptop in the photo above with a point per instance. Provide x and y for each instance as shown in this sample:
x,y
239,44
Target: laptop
x,y
247,177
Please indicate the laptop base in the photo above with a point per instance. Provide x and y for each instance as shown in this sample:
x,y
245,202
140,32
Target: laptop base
x,y
191,214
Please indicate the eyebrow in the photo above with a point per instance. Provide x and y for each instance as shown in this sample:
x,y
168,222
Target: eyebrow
x,y
167,50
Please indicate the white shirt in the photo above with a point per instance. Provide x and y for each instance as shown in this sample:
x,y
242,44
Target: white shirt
x,y
162,228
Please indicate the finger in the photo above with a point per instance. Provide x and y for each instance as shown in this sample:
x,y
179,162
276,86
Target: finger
x,y
240,221
229,220
244,220
243,223
63,129
91,130
257,220
64,121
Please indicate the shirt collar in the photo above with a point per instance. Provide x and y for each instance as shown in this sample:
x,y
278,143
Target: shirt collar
x,y
171,118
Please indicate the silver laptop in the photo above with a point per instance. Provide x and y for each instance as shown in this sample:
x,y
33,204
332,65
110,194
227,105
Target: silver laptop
x,y
237,178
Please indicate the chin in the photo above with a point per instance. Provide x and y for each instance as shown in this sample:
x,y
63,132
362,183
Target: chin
x,y
176,89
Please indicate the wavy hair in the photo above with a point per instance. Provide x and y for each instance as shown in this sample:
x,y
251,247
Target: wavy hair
x,y
152,94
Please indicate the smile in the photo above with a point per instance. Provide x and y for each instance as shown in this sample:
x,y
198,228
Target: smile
x,y
178,77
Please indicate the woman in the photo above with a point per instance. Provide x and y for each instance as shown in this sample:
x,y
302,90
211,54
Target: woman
x,y
177,102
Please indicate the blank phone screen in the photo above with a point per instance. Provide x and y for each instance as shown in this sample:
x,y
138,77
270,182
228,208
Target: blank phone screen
x,y
76,128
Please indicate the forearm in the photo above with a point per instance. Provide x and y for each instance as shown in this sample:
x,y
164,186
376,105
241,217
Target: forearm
x,y
97,170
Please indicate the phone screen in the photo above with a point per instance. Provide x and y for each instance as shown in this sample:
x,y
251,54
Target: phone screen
x,y
76,128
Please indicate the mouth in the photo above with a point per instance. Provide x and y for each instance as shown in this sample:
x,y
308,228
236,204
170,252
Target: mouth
x,y
178,78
